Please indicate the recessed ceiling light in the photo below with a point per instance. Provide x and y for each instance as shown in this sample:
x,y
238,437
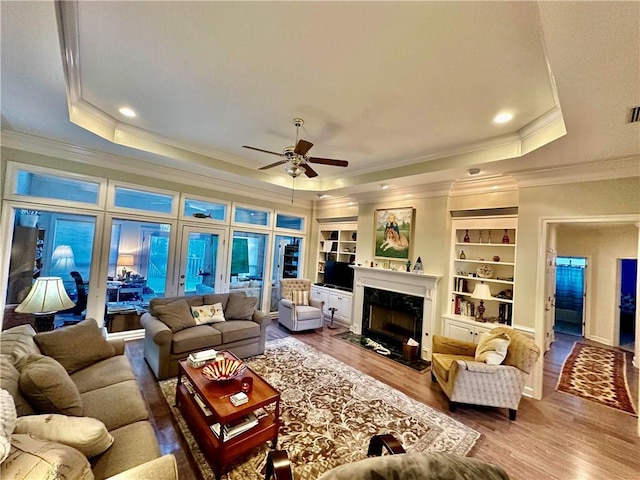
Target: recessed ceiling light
x,y
127,112
351,204
503,118
322,195
473,171
384,186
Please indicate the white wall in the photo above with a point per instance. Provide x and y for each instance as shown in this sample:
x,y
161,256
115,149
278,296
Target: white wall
x,y
603,245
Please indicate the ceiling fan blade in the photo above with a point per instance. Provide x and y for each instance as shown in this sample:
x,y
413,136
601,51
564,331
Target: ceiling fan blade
x,y
309,172
328,161
302,147
261,150
274,164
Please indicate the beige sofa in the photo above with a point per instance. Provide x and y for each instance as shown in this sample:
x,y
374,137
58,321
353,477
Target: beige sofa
x,y
466,380
101,385
171,332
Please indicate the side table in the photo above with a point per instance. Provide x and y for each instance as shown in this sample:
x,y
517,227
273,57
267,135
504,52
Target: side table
x,y
333,311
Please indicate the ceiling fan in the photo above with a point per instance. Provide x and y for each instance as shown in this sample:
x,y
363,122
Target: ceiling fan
x,y
297,159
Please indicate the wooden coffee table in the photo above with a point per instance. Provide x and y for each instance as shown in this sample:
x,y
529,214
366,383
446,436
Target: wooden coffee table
x,y
219,452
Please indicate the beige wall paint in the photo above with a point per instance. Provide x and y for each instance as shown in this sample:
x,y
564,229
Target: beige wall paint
x,y
603,246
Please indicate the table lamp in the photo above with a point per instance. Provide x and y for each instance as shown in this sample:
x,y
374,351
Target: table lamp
x,y
481,292
47,296
124,261
63,258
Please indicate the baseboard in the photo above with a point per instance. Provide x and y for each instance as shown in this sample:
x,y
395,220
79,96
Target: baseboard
x,y
527,392
604,341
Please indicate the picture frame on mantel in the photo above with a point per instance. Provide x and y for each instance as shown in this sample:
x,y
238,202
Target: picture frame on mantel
x,y
393,234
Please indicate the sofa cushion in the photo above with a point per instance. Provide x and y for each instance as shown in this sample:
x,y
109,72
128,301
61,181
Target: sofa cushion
x,y
18,343
300,297
86,434
10,381
175,315
76,346
133,445
240,307
441,363
192,300
212,298
208,314
236,330
48,388
7,423
199,337
492,348
104,373
307,313
116,405
44,459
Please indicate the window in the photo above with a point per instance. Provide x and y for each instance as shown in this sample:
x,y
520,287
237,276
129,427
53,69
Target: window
x,y
248,257
56,187
142,200
203,209
289,222
251,216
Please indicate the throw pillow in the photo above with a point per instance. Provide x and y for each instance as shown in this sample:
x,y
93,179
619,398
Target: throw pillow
x,y
208,314
492,348
175,315
32,457
89,435
7,423
300,297
240,307
48,388
76,346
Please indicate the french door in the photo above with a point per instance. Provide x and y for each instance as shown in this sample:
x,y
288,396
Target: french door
x,y
202,260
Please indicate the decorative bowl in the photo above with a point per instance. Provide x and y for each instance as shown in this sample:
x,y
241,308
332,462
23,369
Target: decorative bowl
x,y
484,271
226,369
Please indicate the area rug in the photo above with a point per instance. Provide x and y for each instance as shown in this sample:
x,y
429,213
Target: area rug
x,y
418,364
329,412
597,374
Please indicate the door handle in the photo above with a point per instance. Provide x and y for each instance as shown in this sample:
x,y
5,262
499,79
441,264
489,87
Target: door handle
x,y
181,284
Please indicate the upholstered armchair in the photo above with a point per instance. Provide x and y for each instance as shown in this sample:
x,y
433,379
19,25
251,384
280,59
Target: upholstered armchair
x,y
296,309
465,380
394,464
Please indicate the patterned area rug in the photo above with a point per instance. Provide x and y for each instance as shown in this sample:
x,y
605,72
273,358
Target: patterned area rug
x,y
597,374
329,412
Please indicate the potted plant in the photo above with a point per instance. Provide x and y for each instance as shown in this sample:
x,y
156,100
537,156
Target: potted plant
x,y
28,218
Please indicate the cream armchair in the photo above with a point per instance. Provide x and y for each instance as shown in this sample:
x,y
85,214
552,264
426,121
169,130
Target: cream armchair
x,y
464,380
292,313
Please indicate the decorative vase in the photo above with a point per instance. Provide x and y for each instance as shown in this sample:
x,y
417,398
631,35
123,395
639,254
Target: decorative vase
x,y
489,237
462,255
466,237
480,237
505,238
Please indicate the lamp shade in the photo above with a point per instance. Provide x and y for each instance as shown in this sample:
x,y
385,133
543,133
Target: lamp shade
x,y
61,252
47,295
125,260
481,292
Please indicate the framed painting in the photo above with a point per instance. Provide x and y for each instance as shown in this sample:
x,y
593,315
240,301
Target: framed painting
x,y
394,233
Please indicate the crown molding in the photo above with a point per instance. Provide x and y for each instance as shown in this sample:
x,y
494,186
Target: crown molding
x,y
475,186
621,167
221,182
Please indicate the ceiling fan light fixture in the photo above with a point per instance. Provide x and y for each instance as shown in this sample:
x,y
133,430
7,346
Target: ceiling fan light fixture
x,y
294,171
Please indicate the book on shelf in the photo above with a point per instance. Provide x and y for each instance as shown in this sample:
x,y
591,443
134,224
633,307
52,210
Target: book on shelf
x,y
201,404
235,428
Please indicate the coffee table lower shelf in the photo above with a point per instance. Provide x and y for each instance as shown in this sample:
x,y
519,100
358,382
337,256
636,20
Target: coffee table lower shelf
x,y
220,454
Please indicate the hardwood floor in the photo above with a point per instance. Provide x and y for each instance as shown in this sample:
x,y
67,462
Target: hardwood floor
x,y
559,437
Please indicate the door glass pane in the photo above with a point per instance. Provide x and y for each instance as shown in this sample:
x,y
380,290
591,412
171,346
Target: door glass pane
x,y
248,255
201,263
50,243
137,270
286,264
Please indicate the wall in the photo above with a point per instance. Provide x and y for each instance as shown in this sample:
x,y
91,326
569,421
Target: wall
x,y
603,246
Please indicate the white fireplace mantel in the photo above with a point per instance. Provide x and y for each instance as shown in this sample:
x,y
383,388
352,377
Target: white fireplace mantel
x,y
417,284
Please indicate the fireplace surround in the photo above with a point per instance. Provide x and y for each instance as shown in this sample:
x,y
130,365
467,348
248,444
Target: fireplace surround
x,y
406,284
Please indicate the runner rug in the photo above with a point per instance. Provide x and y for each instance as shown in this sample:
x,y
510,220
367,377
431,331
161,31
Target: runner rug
x,y
329,411
597,374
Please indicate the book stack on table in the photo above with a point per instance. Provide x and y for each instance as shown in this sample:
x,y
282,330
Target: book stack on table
x,y
235,428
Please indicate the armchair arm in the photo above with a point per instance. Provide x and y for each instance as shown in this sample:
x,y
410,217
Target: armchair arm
x,y
163,468
159,332
285,302
316,303
451,346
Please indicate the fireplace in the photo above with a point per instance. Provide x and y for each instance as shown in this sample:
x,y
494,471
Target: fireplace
x,y
408,293
391,318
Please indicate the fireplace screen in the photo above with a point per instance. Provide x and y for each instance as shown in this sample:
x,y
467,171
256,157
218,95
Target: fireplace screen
x,y
398,325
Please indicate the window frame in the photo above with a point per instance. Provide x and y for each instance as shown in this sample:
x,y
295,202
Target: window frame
x,y
113,185
207,221
301,232
268,211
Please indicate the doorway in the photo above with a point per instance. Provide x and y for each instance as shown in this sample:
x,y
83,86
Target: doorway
x,y
627,274
570,295
201,260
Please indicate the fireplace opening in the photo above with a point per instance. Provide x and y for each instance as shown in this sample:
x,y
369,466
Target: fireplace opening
x,y
392,318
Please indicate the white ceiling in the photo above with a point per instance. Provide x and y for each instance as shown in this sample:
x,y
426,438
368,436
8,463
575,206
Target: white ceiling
x,y
405,91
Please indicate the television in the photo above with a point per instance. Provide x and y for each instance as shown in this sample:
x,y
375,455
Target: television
x,y
338,274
